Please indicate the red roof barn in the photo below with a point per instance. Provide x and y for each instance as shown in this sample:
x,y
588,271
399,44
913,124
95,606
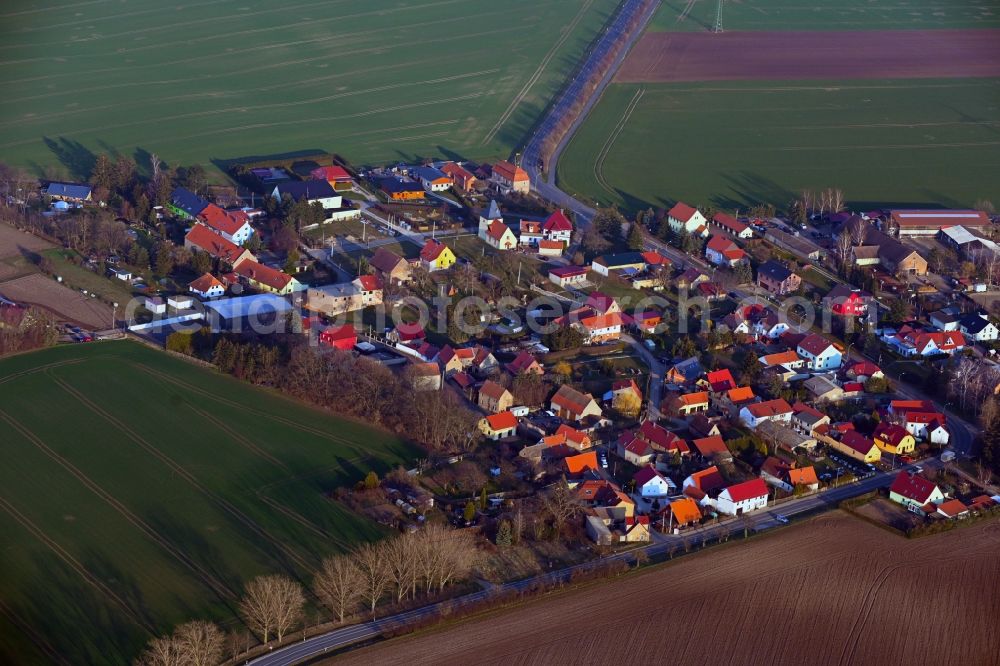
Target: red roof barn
x,y
339,337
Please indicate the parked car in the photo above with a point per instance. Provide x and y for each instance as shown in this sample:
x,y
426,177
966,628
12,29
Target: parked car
x,y
781,519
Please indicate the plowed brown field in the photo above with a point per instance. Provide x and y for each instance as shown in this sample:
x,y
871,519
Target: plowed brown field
x,y
738,56
834,590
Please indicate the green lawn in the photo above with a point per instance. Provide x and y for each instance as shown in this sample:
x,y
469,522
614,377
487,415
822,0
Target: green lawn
x,y
846,15
141,491
201,81
731,144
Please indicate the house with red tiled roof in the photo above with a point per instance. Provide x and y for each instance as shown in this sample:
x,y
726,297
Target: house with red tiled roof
x,y
893,438
598,328
499,426
687,219
915,492
557,227
233,225
436,256
648,439
855,445
730,225
497,234
573,405
625,386
568,275
720,380
601,303
704,482
863,370
721,251
337,176
266,279
203,239
507,177
769,410
743,498
524,362
910,341
647,321
573,438
207,286
339,337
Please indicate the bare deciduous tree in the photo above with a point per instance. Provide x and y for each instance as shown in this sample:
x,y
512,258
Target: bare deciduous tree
x,y
200,643
562,505
338,584
161,651
272,604
374,574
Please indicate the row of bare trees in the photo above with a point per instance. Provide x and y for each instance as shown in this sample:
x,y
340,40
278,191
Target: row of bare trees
x,y
829,200
397,570
972,381
555,136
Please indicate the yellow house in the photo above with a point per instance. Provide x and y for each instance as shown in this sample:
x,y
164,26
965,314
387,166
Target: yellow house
x,y
267,279
857,446
436,256
895,439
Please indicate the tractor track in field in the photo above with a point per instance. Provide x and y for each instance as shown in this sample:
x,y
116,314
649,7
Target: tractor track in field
x,y
181,471
40,368
211,581
40,641
74,564
236,405
239,438
612,138
537,74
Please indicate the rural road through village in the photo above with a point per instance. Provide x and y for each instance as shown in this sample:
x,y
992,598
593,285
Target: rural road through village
x,y
661,545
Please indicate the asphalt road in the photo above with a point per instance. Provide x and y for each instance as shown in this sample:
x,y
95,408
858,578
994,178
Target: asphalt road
x,y
575,90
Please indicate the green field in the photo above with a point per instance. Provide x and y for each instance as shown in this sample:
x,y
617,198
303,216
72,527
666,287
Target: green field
x,y
140,491
733,144
225,79
844,15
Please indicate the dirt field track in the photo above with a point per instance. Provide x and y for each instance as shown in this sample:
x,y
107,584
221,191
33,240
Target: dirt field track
x,y
739,56
834,590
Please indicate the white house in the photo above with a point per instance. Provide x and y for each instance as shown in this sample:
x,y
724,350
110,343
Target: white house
x,y
207,286
819,353
156,305
180,302
770,410
742,498
978,327
313,191
685,218
650,484
558,228
914,492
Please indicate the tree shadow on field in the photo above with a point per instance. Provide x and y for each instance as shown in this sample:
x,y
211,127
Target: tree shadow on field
x,y
203,554
79,621
747,188
225,164
449,154
76,157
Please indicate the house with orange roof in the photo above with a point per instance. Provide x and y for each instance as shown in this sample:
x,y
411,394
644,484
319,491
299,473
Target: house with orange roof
x,y
687,404
207,286
507,178
573,438
699,484
578,466
464,179
530,233
436,256
266,279
494,398
338,177
684,218
499,426
712,448
787,476
454,360
573,405
730,225
953,509
733,400
684,512
769,410
203,239
598,328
